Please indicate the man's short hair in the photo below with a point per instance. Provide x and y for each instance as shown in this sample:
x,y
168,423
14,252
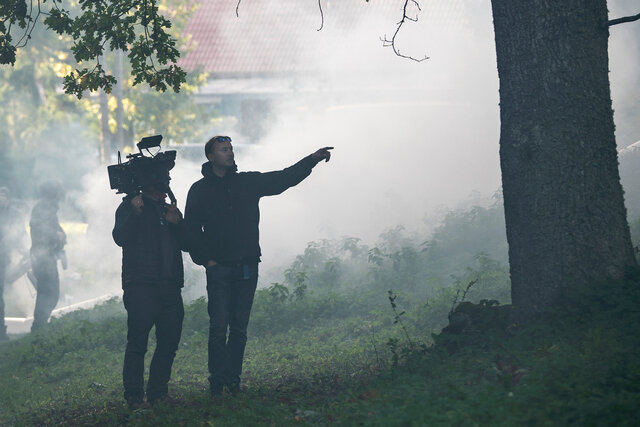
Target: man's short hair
x,y
208,147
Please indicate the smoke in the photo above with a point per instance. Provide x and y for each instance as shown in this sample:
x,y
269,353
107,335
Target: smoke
x,y
624,60
411,139
94,258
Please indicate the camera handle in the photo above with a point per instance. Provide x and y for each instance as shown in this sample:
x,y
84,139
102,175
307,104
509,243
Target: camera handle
x,y
171,195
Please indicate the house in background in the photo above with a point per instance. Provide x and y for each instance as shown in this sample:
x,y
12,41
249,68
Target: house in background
x,y
260,52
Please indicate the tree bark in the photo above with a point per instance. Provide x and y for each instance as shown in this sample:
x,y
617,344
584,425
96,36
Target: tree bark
x,y
563,201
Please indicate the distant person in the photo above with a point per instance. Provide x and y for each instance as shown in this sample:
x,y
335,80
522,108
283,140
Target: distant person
x,y
222,208
47,246
151,234
11,234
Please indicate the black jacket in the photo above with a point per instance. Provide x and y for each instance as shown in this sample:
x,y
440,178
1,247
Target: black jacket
x,y
151,247
224,212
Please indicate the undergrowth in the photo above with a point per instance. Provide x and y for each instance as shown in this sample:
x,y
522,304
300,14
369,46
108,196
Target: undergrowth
x,y
351,336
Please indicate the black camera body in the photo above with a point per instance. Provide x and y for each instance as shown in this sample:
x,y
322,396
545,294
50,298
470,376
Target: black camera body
x,y
141,171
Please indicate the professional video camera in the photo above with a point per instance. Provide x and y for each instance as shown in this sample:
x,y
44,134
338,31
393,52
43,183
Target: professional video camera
x,y
140,170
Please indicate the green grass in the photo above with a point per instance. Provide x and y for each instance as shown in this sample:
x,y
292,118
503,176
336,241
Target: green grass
x,y
581,367
325,347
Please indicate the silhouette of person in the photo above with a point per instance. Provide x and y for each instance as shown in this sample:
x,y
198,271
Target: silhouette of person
x,y
222,209
47,245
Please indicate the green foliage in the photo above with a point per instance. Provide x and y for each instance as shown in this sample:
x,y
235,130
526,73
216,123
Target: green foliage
x,y
85,79
41,126
31,107
134,26
399,352
564,370
277,309
316,355
468,246
13,12
567,369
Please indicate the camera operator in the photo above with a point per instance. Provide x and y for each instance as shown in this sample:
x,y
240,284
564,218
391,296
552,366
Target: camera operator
x,y
47,242
151,235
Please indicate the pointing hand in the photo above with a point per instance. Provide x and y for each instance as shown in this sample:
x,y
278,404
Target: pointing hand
x,y
322,154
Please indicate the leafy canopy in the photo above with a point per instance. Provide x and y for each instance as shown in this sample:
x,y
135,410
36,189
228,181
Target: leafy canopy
x,y
133,26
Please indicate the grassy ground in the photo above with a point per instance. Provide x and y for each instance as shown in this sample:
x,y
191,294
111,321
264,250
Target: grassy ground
x,y
579,367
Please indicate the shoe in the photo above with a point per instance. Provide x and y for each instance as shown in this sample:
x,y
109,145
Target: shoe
x,y
233,388
216,389
135,404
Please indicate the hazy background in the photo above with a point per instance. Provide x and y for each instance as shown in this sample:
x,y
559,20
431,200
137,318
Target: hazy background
x,y
412,141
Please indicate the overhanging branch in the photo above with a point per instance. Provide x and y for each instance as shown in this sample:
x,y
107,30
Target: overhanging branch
x,y
392,42
321,15
623,20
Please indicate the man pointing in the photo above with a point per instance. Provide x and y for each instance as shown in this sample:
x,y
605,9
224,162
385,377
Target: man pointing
x,y
222,209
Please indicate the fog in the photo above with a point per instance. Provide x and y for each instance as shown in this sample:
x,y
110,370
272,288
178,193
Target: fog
x,y
412,140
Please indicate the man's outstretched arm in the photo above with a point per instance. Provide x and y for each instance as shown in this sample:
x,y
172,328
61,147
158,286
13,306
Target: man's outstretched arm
x,y
272,183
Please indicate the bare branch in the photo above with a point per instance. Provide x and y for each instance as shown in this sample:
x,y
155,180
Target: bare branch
x,y
392,42
237,7
321,15
623,20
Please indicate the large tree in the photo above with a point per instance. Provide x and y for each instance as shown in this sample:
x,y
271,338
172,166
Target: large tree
x,y
564,208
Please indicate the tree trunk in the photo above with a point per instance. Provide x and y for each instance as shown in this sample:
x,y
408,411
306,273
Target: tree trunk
x,y
563,201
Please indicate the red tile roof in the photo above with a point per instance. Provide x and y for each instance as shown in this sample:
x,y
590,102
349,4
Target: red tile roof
x,y
271,36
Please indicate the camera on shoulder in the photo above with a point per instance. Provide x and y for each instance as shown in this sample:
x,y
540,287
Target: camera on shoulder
x,y
140,171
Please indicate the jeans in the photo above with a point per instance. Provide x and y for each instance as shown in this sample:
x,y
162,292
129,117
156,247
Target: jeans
x,y
45,269
230,290
148,306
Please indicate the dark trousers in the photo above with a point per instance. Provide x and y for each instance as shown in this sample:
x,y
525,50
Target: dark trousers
x,y
230,290
45,270
148,306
